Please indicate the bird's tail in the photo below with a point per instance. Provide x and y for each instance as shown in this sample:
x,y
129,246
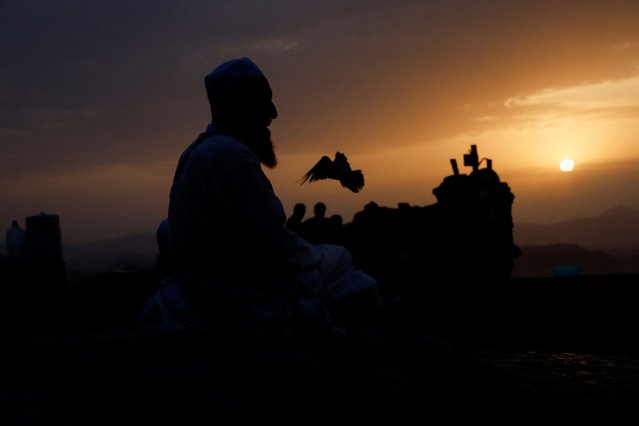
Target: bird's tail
x,y
353,180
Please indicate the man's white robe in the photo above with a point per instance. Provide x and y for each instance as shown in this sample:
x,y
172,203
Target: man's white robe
x,y
233,258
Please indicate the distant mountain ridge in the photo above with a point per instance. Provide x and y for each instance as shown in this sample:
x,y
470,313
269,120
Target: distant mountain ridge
x,y
617,227
614,230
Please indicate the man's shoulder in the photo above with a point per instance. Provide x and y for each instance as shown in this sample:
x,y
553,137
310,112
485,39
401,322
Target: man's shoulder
x,y
221,145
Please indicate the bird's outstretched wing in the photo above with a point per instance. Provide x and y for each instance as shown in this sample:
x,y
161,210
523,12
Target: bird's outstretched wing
x,y
337,169
321,170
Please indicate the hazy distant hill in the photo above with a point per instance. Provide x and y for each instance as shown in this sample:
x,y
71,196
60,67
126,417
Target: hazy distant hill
x,y
608,243
615,228
538,261
138,249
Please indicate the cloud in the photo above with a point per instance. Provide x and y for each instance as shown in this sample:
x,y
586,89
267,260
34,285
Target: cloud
x,y
51,118
271,45
607,94
10,132
626,45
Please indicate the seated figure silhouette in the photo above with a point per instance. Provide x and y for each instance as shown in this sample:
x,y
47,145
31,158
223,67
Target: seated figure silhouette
x,y
235,264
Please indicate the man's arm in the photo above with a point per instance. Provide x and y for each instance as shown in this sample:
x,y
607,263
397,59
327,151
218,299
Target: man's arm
x,y
252,197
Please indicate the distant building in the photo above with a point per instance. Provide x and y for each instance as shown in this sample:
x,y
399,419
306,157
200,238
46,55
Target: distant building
x,y
16,242
44,239
33,277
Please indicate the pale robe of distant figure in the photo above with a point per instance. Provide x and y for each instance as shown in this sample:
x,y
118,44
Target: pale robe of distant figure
x,y
234,261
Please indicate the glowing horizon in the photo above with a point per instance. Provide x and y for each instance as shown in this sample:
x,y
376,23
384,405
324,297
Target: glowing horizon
x,y
100,101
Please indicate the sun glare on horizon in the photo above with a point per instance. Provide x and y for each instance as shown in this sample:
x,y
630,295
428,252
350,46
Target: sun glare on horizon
x,y
566,165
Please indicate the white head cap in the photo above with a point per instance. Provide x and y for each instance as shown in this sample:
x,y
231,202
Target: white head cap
x,y
231,75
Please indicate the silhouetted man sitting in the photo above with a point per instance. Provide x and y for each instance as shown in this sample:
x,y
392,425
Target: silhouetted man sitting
x,y
235,264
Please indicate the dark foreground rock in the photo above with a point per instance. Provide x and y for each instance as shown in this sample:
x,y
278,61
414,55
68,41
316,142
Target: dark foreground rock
x,y
129,377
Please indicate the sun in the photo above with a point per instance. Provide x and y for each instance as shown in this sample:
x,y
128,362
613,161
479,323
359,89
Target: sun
x,y
566,165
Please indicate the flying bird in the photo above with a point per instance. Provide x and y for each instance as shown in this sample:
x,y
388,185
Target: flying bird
x,y
337,169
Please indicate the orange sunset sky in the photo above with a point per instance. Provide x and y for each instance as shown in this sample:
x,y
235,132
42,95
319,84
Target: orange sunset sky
x,y
98,100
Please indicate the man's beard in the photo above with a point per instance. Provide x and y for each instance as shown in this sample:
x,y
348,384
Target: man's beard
x,y
258,139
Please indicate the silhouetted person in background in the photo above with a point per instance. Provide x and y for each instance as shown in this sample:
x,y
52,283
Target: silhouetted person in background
x,y
316,228
235,264
294,223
